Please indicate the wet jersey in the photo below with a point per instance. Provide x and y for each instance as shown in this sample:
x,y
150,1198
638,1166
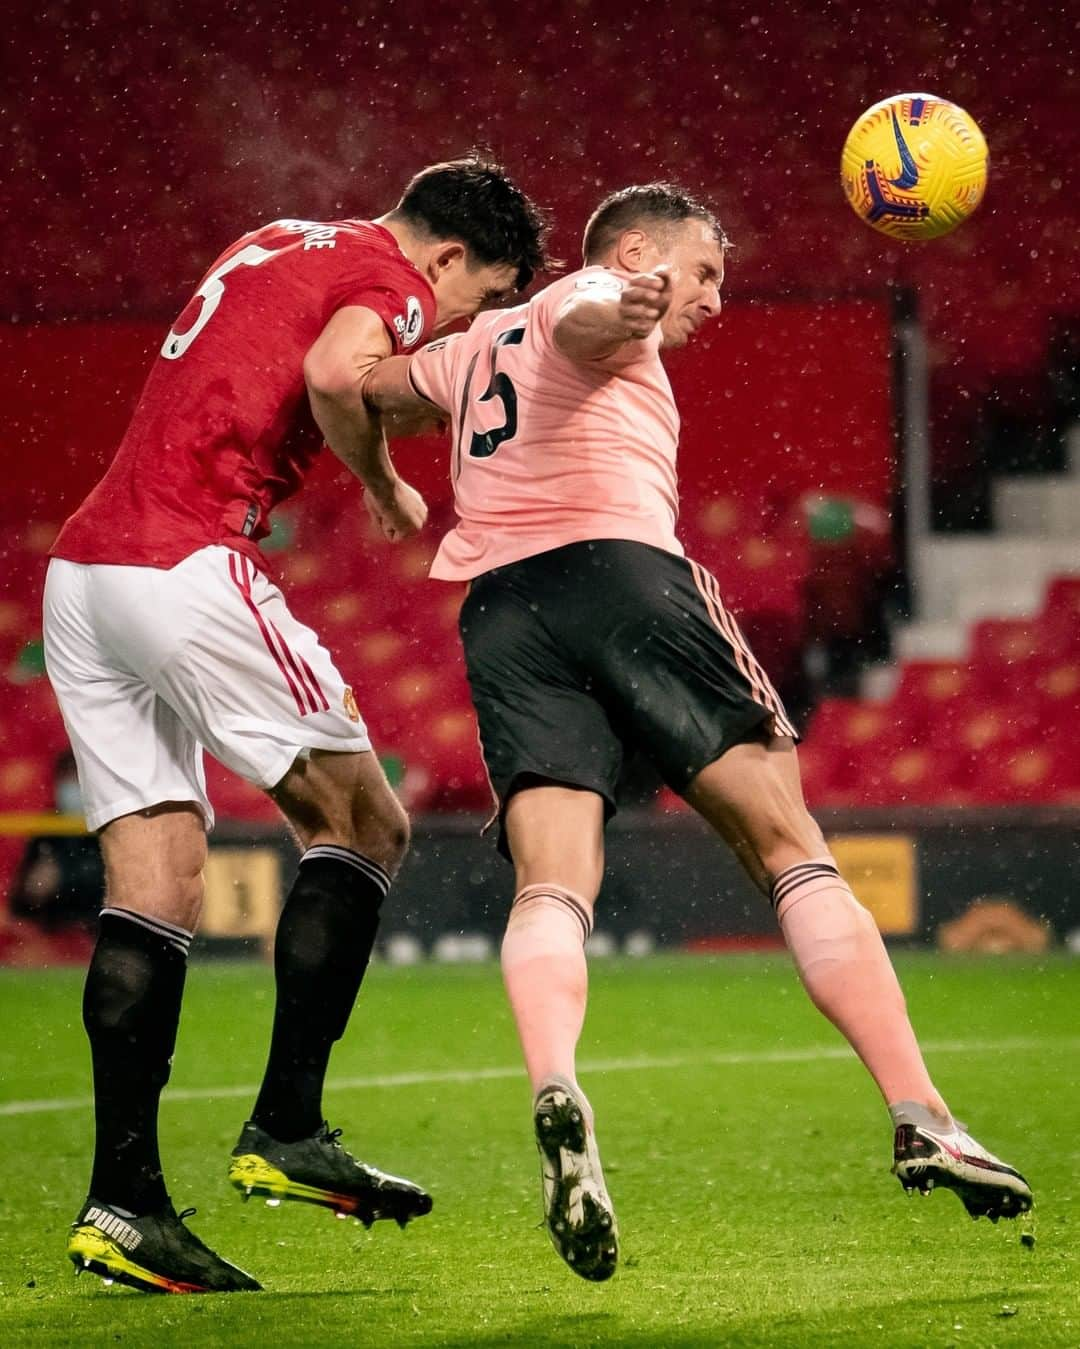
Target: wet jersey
x,y
549,451
223,431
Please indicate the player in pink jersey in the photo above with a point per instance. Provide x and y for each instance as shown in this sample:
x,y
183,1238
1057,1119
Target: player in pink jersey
x,y
588,634
164,635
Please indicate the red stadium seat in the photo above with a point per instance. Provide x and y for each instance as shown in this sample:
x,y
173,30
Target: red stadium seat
x,y
1004,652
18,621
983,730
989,730
851,722
758,554
1060,617
30,718
1056,692
367,660
910,775
820,769
719,517
994,724
858,739
932,681
933,699
848,732
303,568
1031,774
458,778
26,782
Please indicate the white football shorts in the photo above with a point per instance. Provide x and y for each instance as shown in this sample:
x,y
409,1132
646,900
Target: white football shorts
x,y
150,667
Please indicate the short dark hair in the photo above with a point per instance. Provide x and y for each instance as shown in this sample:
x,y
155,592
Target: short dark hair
x,y
473,201
651,205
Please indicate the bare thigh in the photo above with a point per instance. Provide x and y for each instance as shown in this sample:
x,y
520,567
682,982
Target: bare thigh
x,y
752,796
556,837
345,799
154,862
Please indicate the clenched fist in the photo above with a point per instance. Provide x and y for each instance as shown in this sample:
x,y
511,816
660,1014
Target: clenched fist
x,y
644,301
399,510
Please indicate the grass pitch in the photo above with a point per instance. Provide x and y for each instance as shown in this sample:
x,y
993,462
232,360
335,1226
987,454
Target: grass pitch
x,y
746,1151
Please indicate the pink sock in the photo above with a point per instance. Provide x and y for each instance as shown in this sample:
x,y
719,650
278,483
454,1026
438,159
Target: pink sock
x,y
543,963
846,970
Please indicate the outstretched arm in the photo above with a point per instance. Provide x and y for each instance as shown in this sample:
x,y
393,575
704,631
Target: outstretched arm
x,y
393,396
350,345
597,319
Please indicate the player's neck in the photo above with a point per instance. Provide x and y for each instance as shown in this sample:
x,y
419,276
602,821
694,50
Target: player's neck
x,y
415,248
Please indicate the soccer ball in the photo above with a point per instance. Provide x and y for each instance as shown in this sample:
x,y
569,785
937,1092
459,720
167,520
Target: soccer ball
x,y
914,166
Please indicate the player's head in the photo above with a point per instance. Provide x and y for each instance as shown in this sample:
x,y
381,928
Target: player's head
x,y
480,236
658,224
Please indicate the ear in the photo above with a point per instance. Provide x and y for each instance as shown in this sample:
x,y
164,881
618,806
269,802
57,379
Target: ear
x,y
630,250
445,256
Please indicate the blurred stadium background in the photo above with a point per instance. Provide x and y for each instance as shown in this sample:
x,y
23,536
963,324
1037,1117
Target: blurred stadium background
x,y
881,456
881,463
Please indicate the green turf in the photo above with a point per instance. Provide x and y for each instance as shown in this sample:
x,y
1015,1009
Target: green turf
x,y
754,1196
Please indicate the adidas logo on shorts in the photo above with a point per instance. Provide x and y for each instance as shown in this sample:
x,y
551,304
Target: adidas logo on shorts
x,y
113,1226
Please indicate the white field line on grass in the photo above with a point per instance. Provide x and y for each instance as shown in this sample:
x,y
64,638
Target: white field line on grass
x,y
812,1054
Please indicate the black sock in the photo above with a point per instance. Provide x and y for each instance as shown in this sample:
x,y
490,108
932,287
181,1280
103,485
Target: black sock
x,y
324,939
131,1009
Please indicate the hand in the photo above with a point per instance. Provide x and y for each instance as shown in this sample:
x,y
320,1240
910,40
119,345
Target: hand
x,y
644,301
399,510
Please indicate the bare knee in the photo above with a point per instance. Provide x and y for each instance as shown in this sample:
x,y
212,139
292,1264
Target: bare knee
x,y
374,824
345,800
154,862
556,837
172,894
787,838
753,797
383,834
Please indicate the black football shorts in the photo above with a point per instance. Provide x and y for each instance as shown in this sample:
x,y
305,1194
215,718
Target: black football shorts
x,y
578,656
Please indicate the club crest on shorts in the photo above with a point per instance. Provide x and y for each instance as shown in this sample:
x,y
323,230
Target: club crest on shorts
x,y
349,699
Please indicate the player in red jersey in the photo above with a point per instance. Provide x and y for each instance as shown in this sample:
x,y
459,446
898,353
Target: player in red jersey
x,y
588,634
165,636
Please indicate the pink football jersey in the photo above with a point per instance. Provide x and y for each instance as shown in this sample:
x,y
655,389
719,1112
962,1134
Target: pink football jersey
x,y
223,430
548,451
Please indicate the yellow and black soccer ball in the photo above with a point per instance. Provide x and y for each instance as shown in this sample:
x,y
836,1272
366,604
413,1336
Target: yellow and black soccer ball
x,y
914,166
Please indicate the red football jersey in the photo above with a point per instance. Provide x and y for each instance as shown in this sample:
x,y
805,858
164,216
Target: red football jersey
x,y
223,430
